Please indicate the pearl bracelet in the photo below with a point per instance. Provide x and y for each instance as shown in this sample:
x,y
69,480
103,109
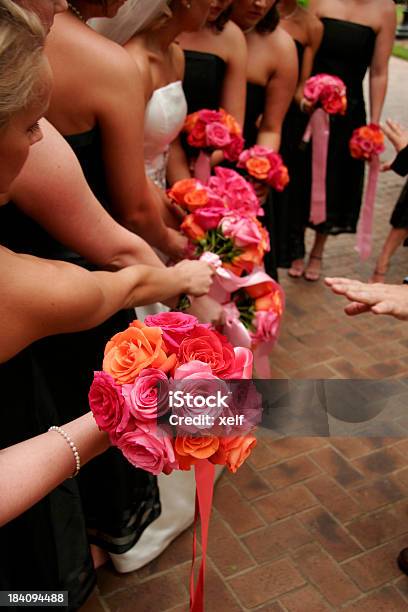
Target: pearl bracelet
x,y
72,447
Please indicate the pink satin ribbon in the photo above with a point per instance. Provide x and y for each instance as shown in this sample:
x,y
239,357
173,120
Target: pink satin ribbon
x,y
204,476
319,128
365,226
202,168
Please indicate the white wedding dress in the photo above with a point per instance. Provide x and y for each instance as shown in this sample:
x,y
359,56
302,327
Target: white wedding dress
x,y
164,119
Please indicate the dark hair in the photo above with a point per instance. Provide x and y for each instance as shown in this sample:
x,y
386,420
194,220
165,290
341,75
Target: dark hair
x,y
221,21
270,22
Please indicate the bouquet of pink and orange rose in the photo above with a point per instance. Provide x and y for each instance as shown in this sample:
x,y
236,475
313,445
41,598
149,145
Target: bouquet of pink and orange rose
x,y
223,220
328,95
141,366
208,131
265,166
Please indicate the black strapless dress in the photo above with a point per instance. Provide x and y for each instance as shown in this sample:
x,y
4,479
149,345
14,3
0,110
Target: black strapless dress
x,y
45,548
256,96
118,501
346,51
290,210
203,80
399,217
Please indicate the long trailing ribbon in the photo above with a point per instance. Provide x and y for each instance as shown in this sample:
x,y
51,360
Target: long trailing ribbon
x,y
202,167
365,226
319,128
204,476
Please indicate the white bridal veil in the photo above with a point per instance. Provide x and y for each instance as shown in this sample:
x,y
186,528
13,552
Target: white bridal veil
x,y
132,17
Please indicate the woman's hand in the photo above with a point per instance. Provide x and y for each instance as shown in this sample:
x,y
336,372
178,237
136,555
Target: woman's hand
x,y
176,245
197,276
396,134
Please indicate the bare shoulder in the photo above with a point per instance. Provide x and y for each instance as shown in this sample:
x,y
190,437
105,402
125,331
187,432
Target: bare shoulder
x,y
314,25
387,7
233,35
280,41
97,57
178,60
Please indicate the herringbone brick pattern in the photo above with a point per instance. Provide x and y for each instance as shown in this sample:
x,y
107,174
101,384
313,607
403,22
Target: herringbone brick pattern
x,y
308,524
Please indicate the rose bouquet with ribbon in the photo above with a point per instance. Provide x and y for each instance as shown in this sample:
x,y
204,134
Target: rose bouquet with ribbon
x,y
210,130
265,166
222,220
253,317
328,94
367,144
142,367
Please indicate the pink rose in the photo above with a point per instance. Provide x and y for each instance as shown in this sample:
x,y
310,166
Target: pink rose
x,y
197,383
217,135
147,397
209,217
210,347
210,116
242,230
236,192
244,361
233,150
174,325
267,325
107,404
147,450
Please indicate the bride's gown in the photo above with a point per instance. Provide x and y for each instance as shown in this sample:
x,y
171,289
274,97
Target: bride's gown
x,y
164,119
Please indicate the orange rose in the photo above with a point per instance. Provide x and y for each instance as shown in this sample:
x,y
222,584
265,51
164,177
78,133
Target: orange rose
x,y
132,350
188,449
191,229
257,291
190,122
196,199
258,167
180,189
232,452
365,132
197,136
284,177
231,123
270,301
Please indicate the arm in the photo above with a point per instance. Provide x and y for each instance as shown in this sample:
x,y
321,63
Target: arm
x,y
51,462
88,229
233,97
280,92
121,119
315,39
379,65
42,298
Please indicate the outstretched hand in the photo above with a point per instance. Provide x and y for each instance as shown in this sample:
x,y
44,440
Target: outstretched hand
x,y
397,135
376,297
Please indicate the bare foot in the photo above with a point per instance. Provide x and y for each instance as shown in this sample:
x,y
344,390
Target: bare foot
x,y
313,270
297,268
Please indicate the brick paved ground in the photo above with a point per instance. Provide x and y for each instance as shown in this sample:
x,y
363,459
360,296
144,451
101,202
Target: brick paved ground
x,y
309,524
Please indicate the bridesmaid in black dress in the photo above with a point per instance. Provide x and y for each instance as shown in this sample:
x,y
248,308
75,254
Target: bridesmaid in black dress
x,y
215,67
358,34
306,31
271,83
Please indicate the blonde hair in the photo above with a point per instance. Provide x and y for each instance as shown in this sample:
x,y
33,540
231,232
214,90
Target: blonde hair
x,y
22,40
